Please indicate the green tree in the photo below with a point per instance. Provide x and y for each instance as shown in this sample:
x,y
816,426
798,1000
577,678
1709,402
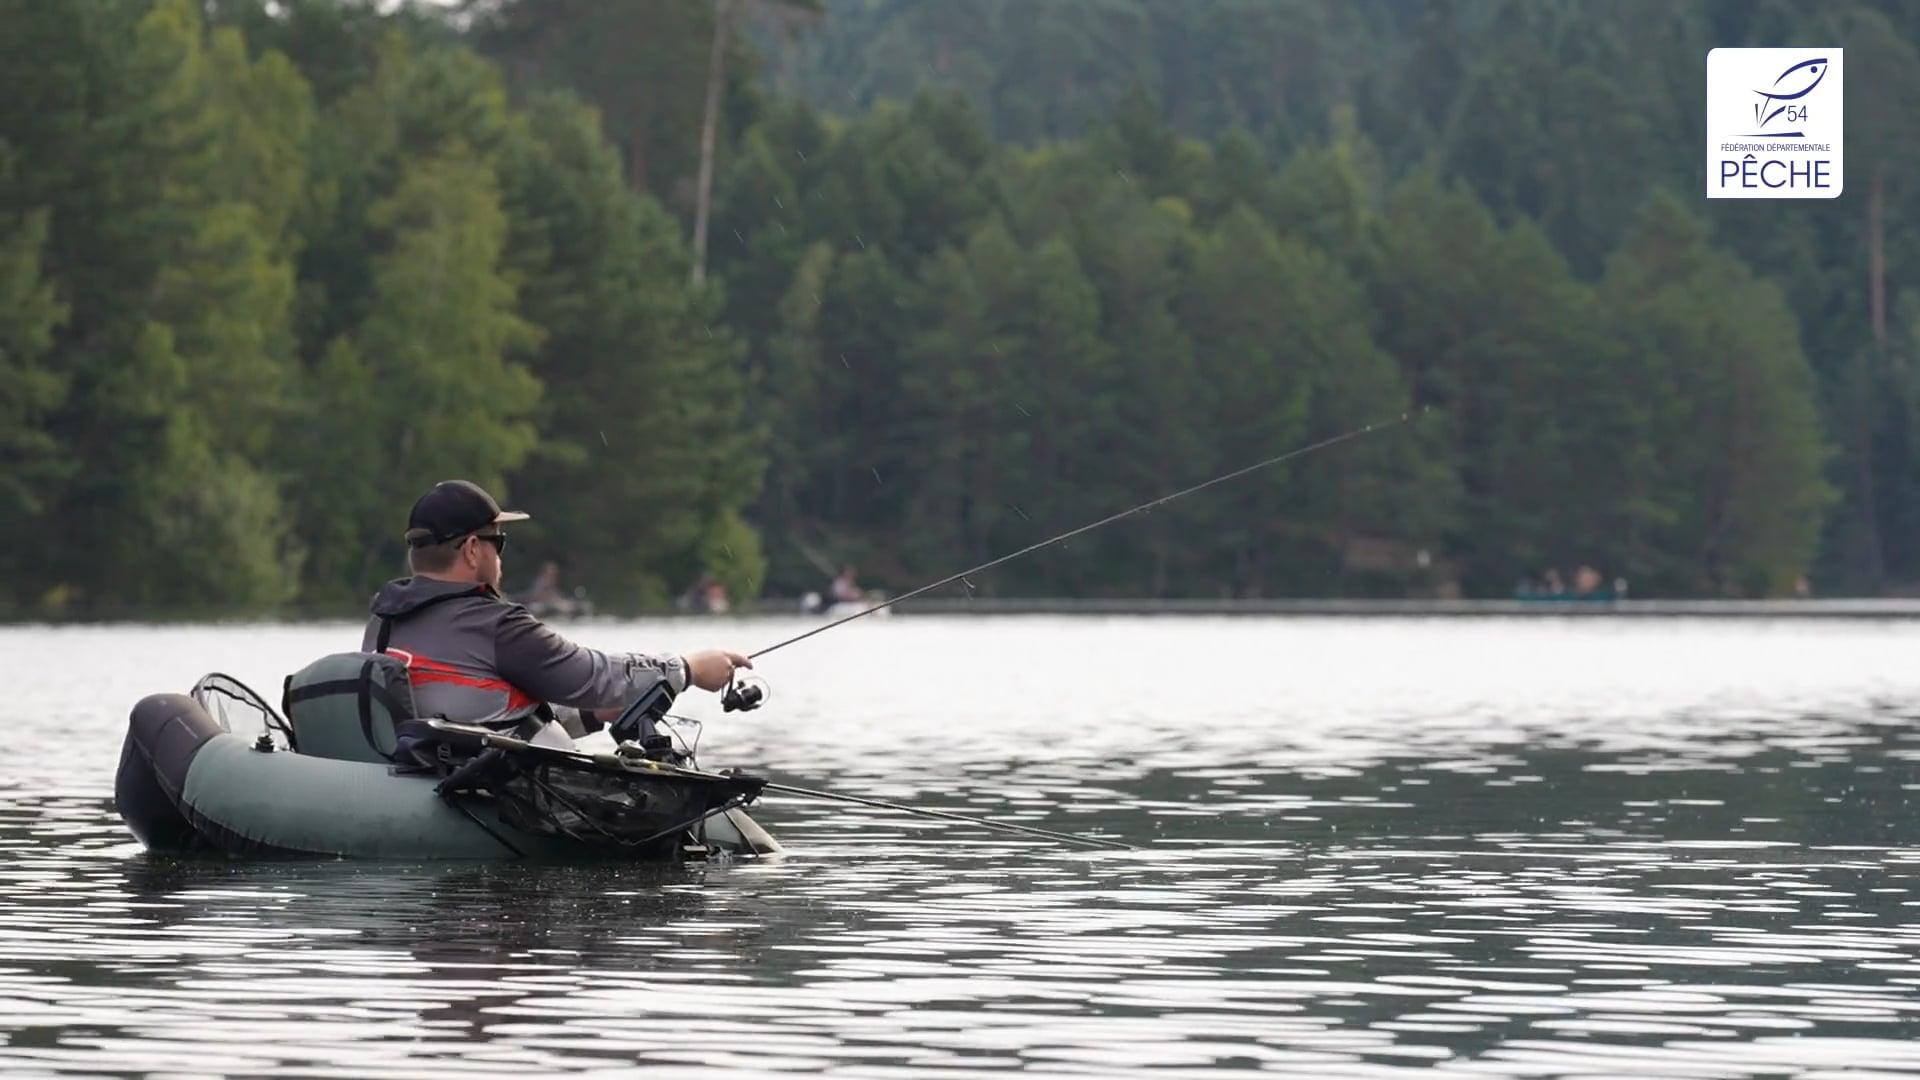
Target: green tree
x,y
1003,383
646,454
1253,308
1733,423
1495,334
431,383
162,245
30,311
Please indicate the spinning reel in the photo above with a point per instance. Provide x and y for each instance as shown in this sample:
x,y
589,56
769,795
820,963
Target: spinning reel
x,y
743,696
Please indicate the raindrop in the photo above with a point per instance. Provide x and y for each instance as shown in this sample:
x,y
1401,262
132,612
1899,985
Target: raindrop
x,y
781,227
1022,513
857,240
876,475
778,203
843,362
737,236
801,154
1022,408
816,299
603,439
728,548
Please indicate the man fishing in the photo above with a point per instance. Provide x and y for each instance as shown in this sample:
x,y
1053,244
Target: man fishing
x,y
477,658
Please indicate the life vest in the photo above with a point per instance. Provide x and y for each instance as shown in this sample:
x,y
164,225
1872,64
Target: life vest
x,y
432,669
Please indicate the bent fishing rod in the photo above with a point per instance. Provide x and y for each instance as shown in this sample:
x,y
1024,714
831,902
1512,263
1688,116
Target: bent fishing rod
x,y
735,699
1071,533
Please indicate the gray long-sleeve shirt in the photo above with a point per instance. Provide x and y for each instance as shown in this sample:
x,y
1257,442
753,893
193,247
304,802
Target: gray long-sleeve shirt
x,y
474,657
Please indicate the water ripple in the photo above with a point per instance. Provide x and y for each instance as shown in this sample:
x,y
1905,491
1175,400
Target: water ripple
x,y
1522,849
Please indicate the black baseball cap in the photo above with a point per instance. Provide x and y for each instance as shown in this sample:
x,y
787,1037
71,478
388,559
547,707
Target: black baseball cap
x,y
454,508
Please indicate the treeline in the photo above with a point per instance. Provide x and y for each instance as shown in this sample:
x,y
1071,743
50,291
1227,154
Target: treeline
x,y
1011,343
268,271
264,281
1572,119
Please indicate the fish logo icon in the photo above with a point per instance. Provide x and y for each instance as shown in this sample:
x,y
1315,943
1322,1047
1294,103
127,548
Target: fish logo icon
x,y
1793,84
1775,122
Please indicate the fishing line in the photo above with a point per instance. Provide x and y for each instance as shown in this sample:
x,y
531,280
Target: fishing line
x,y
1162,500
1005,826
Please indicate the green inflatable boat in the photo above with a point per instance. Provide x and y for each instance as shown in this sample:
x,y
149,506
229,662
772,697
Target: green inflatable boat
x,y
355,775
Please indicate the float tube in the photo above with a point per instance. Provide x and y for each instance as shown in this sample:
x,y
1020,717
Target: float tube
x,y
187,784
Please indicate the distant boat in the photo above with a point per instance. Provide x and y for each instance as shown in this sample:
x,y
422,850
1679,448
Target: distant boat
x,y
846,608
814,603
576,606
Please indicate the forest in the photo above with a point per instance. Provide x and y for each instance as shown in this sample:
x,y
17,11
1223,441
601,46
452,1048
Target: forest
x,y
757,288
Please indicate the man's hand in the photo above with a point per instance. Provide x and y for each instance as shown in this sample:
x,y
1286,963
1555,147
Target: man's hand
x,y
712,669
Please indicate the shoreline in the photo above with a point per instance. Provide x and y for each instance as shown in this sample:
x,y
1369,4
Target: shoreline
x,y
1884,608
1861,608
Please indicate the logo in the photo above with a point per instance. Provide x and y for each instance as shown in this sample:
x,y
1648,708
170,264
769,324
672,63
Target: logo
x,y
1774,123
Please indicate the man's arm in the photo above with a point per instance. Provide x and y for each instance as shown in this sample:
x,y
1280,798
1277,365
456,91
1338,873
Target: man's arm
x,y
541,663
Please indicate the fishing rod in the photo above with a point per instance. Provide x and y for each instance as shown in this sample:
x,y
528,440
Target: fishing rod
x,y
747,697
834,796
1070,534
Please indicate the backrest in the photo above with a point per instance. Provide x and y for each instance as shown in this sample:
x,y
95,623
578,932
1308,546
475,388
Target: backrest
x,y
347,706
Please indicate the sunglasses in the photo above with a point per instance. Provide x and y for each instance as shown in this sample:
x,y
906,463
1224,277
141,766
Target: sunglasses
x,y
498,540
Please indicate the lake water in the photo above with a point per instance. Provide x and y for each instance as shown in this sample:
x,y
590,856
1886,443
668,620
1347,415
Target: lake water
x,y
1518,848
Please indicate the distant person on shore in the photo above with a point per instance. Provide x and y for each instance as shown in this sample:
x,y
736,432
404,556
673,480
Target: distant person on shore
x,y
1548,585
545,598
844,590
706,596
1588,584
546,587
476,658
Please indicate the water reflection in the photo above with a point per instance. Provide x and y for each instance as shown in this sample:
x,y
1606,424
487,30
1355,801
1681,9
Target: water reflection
x,y
1627,883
